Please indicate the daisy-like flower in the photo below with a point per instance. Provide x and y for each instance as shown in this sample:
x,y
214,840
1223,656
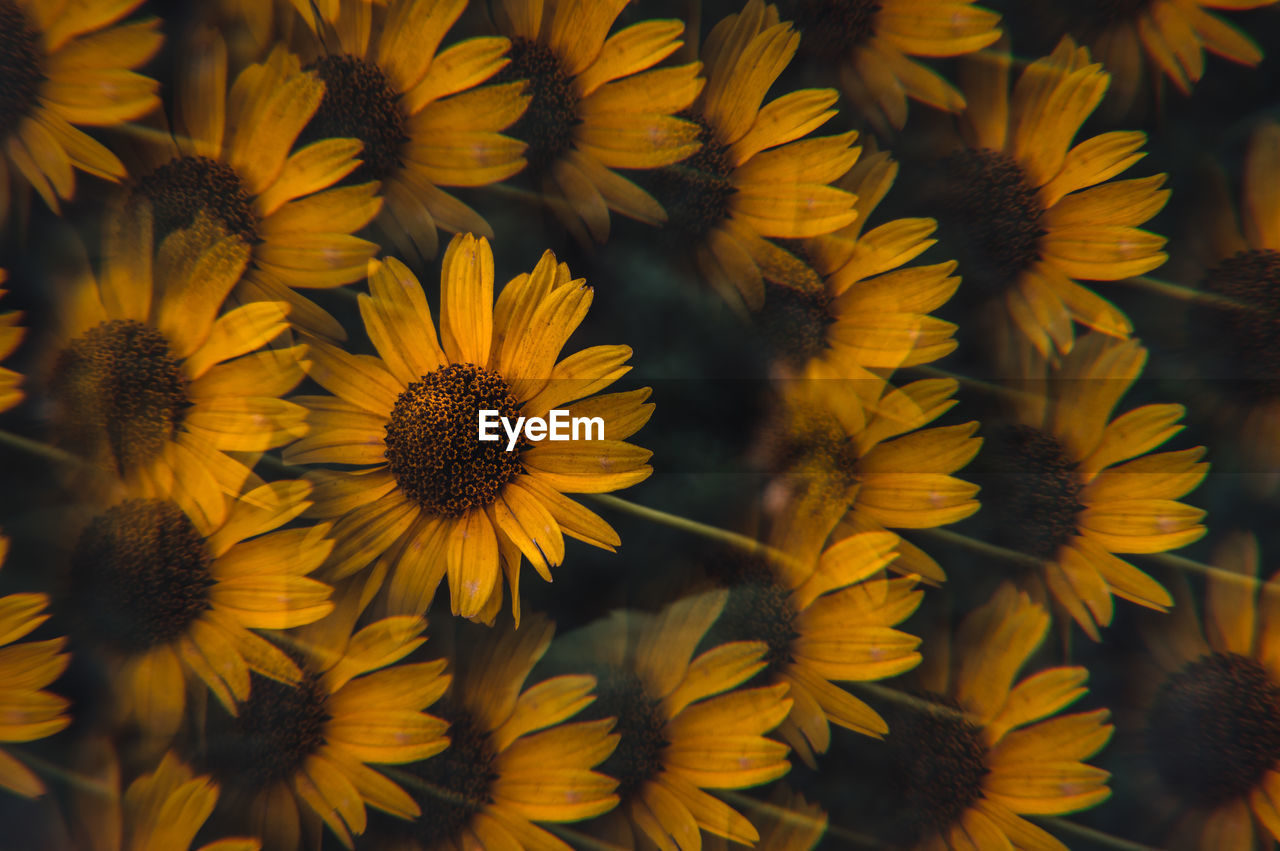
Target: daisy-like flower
x,y
752,179
594,107
867,313
1067,483
856,450
975,753
1213,719
512,760
26,668
11,334
298,752
1032,212
682,726
63,64
150,382
232,166
875,43
168,595
417,110
824,615
435,499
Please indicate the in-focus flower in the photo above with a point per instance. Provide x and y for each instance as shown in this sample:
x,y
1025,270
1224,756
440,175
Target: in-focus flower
x,y
1032,212
11,334
594,107
62,64
435,500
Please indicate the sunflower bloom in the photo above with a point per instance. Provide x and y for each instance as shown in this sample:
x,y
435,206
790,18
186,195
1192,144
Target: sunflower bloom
x,y
25,669
754,177
168,595
965,763
683,728
232,166
1225,777
1067,483
63,64
150,382
874,43
417,110
1036,212
11,334
594,107
435,500
512,759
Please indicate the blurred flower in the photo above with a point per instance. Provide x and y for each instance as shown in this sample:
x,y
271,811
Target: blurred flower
x,y
11,334
595,108
438,500
1057,489
63,64
786,823
1020,195
424,117
872,43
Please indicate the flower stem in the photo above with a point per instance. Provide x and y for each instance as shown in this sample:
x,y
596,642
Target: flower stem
x,y
44,450
1184,293
1065,826
684,524
983,548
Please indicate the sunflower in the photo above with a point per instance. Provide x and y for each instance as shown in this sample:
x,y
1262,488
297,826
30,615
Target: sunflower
x,y
1060,485
594,107
867,313
1213,720
11,334
30,712
824,615
61,64
973,753
1032,212
295,752
753,176
148,381
856,451
436,500
683,727
422,119
230,169
165,591
872,43
512,760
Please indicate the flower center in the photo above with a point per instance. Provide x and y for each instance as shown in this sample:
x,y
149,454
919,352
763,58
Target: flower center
x,y
21,72
695,192
120,385
757,609
359,103
548,122
186,186
139,575
814,452
795,321
640,727
1098,14
433,445
1032,488
832,28
277,728
987,200
1214,728
1249,335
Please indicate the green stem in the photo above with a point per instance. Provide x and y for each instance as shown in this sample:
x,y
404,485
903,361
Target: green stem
x,y
1184,293
1064,826
746,802
684,524
44,450
983,548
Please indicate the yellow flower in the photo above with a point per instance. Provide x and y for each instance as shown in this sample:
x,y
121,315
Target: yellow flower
x,y
149,381
873,44
1061,486
594,108
230,167
163,591
752,179
512,760
1035,212
1211,723
422,119
30,712
11,334
435,499
63,64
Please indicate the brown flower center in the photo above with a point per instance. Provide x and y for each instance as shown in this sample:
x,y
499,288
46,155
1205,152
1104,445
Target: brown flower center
x,y
1031,487
21,66
757,609
433,446
118,389
277,728
831,29
548,122
812,450
185,186
795,321
640,727
359,103
1247,336
139,575
695,192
